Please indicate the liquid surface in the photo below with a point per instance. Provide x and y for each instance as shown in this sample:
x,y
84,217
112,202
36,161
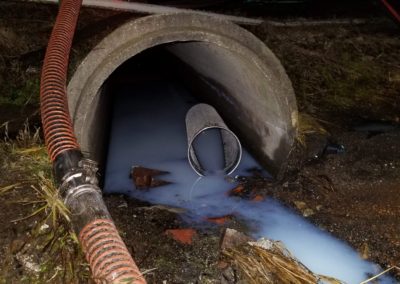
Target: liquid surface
x,y
209,151
148,129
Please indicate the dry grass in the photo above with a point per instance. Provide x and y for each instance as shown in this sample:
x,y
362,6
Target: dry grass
x,y
51,205
51,246
27,140
309,125
266,262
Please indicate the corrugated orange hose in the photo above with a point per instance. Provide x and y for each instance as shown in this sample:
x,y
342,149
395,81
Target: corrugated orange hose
x,y
105,251
57,125
107,254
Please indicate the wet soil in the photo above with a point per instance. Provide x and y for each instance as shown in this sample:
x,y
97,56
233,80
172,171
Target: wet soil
x,y
343,75
144,230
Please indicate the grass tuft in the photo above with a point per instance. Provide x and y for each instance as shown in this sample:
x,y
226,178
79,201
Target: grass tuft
x,y
309,125
50,245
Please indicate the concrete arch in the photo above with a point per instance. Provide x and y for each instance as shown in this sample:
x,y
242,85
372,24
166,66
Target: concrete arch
x,y
234,70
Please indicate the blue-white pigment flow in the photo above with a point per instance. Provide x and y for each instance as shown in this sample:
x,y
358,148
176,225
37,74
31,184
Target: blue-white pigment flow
x,y
209,151
148,129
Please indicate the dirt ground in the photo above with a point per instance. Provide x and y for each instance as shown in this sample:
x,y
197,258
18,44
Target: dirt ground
x,y
347,81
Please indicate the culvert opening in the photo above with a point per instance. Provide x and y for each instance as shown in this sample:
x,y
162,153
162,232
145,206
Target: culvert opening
x,y
203,123
217,62
160,119
160,66
232,84
155,89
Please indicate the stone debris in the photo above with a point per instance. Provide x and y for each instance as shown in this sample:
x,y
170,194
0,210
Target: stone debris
x,y
144,178
303,208
220,220
232,238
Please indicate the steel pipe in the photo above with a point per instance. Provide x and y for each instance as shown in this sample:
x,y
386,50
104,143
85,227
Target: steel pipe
x,y
203,118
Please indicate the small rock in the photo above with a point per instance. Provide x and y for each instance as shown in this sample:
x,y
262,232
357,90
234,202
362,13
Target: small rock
x,y
308,212
318,207
28,263
232,238
228,276
237,191
123,205
258,198
175,210
264,243
364,251
44,227
300,205
32,70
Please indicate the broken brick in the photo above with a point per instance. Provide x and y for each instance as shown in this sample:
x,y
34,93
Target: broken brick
x,y
258,198
184,236
143,178
237,191
221,220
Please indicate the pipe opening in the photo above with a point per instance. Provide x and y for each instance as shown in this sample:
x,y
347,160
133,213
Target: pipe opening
x,y
219,63
212,147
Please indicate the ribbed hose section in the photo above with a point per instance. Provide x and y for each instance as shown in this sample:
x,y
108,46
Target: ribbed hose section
x,y
107,254
57,125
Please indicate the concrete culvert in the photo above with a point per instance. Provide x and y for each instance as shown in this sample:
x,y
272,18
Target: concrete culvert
x,y
223,64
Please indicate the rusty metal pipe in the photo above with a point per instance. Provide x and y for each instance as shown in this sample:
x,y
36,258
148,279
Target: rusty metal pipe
x,y
108,257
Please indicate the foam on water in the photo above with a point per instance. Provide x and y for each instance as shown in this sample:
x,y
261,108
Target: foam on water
x,y
148,129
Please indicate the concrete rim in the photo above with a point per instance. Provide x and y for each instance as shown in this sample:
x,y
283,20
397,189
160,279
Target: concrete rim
x,y
138,35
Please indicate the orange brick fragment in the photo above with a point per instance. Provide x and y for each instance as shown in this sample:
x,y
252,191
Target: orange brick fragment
x,y
258,198
184,236
219,220
236,191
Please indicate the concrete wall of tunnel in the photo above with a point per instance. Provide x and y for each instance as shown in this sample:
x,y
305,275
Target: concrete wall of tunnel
x,y
235,72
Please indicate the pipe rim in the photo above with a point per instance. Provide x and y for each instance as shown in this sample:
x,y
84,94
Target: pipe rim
x,y
150,31
227,170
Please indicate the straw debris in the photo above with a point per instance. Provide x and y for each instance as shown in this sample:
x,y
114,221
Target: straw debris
x,y
309,125
267,261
